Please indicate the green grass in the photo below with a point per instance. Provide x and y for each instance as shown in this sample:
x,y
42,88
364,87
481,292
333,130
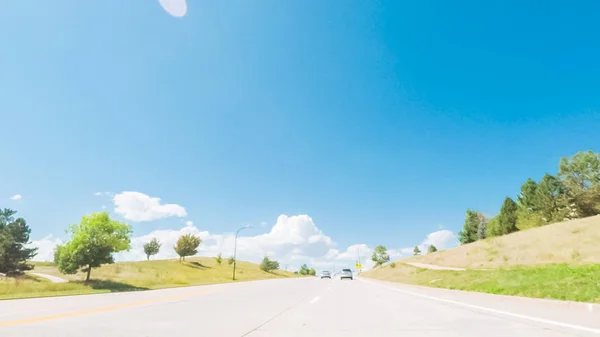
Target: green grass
x,y
134,276
553,281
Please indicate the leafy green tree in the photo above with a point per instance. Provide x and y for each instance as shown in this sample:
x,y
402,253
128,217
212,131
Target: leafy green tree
x,y
268,265
312,272
507,219
470,227
92,244
430,249
581,176
416,251
230,260
187,245
14,236
304,269
380,255
151,247
527,218
219,259
493,227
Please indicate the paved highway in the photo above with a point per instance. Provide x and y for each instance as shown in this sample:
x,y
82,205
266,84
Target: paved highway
x,y
297,307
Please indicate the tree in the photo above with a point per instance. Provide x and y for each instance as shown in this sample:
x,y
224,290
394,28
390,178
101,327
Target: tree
x,y
380,255
416,251
528,197
14,236
219,259
552,201
470,227
187,245
507,219
312,272
527,218
304,269
581,177
230,260
430,249
151,247
92,244
493,227
482,226
268,265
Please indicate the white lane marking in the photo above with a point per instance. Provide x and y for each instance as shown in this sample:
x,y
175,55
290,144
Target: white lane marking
x,y
506,313
314,300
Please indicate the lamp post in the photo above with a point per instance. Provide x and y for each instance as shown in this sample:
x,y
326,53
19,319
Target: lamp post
x,y
235,248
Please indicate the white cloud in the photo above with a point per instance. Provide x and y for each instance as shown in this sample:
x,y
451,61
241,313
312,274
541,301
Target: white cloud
x,y
442,239
98,194
45,248
189,223
177,8
136,206
16,197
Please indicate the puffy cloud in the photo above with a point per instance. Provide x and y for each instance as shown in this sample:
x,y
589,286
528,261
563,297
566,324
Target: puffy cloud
x,y
136,206
16,197
45,248
177,8
292,240
442,239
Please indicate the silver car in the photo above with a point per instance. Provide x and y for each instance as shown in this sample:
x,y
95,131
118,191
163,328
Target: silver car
x,y
346,273
325,274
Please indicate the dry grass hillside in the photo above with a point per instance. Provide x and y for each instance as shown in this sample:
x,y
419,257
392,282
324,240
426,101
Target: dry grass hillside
x,y
129,276
576,241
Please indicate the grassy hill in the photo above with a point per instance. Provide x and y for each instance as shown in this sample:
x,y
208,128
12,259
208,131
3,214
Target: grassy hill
x,y
575,241
130,276
559,261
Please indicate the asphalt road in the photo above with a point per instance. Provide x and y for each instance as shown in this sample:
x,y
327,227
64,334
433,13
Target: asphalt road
x,y
297,307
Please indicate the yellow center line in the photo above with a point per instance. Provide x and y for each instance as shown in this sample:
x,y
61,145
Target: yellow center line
x,y
97,310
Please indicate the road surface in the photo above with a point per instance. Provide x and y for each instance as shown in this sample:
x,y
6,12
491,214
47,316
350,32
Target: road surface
x,y
297,307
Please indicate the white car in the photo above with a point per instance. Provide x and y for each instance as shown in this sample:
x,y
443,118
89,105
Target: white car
x,y
346,273
325,274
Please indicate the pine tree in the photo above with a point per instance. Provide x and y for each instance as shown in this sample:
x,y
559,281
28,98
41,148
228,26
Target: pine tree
x,y
507,219
470,227
14,236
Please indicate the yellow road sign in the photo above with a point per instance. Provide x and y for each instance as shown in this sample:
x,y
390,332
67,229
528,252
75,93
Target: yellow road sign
x,y
358,265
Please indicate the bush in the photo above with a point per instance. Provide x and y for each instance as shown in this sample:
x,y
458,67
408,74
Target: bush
x,y
268,265
219,259
393,265
230,260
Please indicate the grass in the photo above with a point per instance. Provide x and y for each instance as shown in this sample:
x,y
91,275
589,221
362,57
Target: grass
x,y
574,241
553,281
134,276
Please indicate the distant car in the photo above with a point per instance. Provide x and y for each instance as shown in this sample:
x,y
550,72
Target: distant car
x,y
346,273
326,274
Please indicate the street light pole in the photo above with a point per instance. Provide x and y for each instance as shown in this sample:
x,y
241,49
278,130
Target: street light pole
x,y
235,248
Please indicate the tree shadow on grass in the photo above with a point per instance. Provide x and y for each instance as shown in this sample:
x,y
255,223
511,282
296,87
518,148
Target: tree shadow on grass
x,y
197,265
112,286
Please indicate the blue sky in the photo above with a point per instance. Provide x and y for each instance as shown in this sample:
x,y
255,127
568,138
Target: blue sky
x,y
381,120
